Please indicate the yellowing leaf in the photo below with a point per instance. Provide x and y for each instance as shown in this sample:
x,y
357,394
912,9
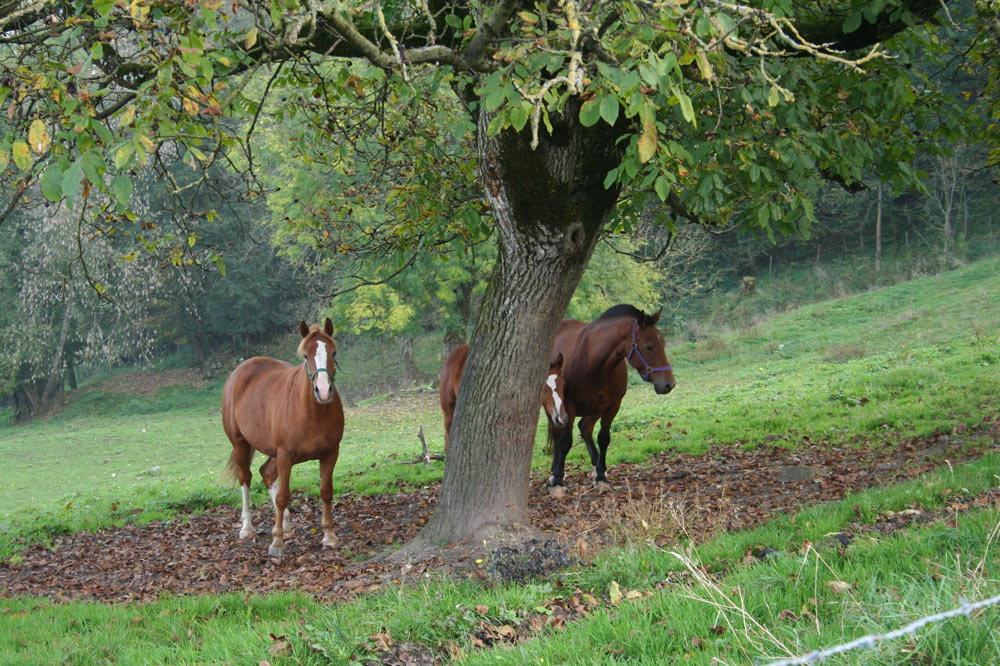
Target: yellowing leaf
x,y
122,156
647,140
615,592
250,39
190,106
4,160
127,115
147,143
705,66
39,137
22,155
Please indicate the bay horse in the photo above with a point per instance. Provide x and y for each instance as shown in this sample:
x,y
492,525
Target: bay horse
x,y
290,413
451,379
595,370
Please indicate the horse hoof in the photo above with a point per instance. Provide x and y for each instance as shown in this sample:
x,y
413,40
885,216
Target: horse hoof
x,y
245,534
276,552
557,492
330,542
602,485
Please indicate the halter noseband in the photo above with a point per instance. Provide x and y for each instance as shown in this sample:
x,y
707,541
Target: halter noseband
x,y
647,368
312,375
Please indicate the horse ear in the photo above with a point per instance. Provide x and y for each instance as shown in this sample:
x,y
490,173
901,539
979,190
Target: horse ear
x,y
303,328
557,364
328,327
655,317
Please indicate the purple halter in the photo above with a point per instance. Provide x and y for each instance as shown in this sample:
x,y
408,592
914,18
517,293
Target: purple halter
x,y
647,368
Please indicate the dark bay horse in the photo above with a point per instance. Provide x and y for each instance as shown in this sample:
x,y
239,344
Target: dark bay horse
x,y
290,413
597,356
451,379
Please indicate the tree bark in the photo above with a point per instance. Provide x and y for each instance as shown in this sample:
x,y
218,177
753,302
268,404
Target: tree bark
x,y
878,230
550,205
56,370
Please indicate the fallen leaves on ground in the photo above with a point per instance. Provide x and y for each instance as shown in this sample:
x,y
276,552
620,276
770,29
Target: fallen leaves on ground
x,y
726,489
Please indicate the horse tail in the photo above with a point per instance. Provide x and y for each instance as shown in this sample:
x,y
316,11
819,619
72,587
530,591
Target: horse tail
x,y
232,472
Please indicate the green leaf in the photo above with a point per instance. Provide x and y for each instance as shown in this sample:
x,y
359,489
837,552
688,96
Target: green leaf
x,y
518,118
609,109
662,188
250,39
495,98
122,187
763,216
52,183
853,22
71,178
773,98
687,109
590,113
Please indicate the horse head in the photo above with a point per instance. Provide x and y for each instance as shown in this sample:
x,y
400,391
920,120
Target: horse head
x,y
319,352
552,394
647,354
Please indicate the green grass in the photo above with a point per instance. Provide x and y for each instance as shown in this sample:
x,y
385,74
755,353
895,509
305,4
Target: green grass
x,y
875,367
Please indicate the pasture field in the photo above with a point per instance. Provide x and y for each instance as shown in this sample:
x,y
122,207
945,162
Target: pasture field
x,y
912,359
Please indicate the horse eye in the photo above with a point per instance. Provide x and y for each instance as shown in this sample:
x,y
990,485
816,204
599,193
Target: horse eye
x,y
649,347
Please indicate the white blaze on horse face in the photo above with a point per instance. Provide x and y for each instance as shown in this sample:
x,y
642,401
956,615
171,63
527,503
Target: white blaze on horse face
x,y
322,380
557,410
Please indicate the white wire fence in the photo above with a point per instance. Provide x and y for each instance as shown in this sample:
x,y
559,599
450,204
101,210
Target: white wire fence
x,y
966,609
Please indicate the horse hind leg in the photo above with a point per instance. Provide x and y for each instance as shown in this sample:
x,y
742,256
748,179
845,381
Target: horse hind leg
x,y
268,474
239,468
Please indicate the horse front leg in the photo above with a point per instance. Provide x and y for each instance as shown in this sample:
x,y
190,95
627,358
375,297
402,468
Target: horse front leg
x,y
563,442
587,433
269,474
326,465
281,499
603,440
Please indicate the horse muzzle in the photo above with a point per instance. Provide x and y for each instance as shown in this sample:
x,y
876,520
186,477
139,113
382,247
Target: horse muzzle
x,y
664,387
324,399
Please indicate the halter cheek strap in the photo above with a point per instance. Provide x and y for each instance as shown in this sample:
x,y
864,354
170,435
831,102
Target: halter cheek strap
x,y
647,368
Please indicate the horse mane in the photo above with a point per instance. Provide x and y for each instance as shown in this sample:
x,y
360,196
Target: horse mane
x,y
301,351
625,310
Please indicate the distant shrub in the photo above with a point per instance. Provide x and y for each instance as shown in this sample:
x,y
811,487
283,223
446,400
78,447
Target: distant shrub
x,y
845,353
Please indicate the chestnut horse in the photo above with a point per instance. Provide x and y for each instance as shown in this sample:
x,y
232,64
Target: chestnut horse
x,y
596,375
290,413
451,378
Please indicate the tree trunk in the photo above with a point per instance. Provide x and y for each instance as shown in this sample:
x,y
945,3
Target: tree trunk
x,y
56,370
550,205
409,365
878,230
70,359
